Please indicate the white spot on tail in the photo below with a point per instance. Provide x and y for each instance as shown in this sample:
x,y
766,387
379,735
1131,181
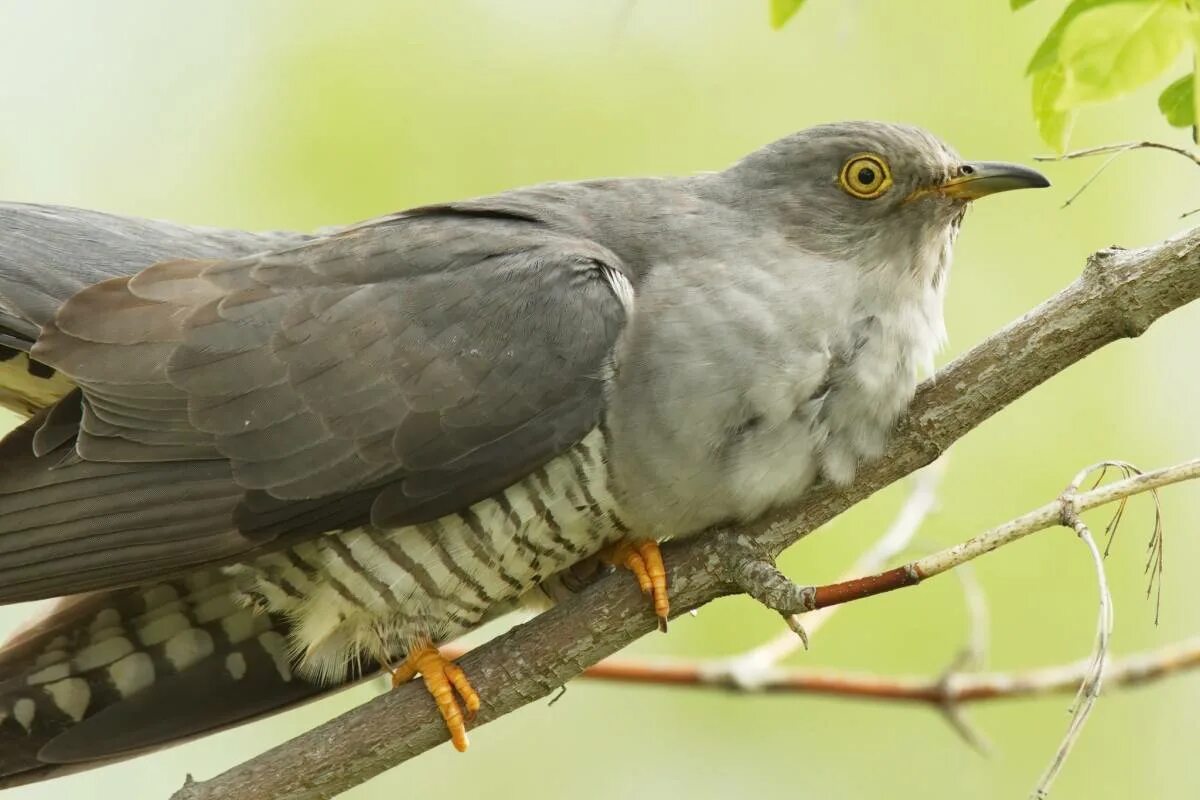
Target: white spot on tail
x,y
235,665
132,673
101,653
222,605
23,711
72,696
107,633
158,595
50,657
187,647
105,618
52,673
163,628
241,626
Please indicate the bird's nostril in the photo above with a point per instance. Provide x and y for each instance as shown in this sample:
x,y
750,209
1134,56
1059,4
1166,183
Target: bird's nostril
x,y
966,169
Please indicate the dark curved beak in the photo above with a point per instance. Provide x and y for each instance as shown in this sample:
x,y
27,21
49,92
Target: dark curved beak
x,y
977,179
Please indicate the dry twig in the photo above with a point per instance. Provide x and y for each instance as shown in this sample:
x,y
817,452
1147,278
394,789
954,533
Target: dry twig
x,y
963,688
1116,151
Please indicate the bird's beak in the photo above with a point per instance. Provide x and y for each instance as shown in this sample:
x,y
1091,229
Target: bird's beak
x,y
977,179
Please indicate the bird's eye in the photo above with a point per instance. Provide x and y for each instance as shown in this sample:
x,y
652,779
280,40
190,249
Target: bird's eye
x,y
865,176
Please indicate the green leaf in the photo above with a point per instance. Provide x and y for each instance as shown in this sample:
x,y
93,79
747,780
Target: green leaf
x,y
1195,72
1047,52
782,11
1177,102
1018,4
1054,124
1113,49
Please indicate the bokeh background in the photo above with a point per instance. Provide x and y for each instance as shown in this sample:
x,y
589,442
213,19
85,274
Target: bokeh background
x,y
294,114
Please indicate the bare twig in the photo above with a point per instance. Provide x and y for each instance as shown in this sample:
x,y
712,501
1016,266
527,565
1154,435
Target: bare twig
x,y
1117,150
964,688
1089,688
1039,519
1118,296
1121,148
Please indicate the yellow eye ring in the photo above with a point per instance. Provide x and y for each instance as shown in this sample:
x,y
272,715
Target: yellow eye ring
x,y
865,176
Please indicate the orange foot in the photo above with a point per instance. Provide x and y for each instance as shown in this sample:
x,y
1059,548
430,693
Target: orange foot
x,y
643,558
442,678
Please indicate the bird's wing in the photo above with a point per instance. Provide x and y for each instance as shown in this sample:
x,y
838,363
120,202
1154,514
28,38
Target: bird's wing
x,y
48,253
390,373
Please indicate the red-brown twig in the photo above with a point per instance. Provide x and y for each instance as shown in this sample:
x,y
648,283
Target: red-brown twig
x,y
965,687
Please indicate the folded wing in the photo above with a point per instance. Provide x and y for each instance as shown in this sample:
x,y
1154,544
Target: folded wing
x,y
387,374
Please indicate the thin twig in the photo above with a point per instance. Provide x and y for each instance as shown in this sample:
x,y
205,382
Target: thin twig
x,y
813,597
966,687
1154,560
1120,148
1089,687
1117,150
1045,517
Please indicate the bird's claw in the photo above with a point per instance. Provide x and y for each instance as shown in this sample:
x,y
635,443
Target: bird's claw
x,y
644,559
443,678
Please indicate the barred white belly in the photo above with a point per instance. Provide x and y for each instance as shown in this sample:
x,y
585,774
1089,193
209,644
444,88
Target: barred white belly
x,y
378,592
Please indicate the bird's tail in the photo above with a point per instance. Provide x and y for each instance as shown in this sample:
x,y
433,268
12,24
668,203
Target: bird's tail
x,y
104,676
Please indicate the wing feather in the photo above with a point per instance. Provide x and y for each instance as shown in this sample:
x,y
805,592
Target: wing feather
x,y
388,373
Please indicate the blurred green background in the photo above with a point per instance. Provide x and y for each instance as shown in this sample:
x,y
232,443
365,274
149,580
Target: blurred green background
x,y
278,114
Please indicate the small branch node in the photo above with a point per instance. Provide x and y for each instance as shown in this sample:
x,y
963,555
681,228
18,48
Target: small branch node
x,y
921,502
967,730
949,701
758,577
1154,561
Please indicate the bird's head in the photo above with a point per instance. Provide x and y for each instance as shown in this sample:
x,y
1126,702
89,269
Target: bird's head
x,y
872,192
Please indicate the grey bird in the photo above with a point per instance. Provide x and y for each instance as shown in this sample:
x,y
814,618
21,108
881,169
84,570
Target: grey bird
x,y
258,466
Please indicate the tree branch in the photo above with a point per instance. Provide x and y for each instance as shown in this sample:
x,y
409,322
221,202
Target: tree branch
x,y
747,667
1063,510
1119,294
957,687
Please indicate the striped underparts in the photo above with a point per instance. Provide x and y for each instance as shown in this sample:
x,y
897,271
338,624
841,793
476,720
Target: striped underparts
x,y
376,593
337,602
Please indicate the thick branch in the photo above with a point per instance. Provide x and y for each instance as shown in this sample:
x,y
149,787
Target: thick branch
x,y
1119,295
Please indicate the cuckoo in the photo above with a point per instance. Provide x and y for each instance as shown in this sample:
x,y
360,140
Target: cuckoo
x,y
256,466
